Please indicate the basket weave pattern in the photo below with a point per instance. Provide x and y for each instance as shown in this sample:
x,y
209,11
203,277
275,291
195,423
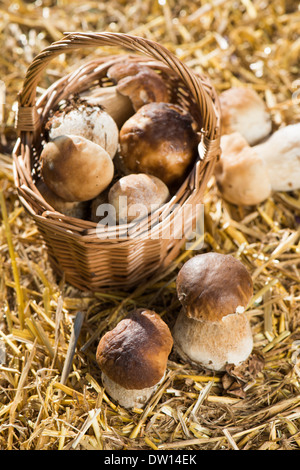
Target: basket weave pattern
x,y
120,256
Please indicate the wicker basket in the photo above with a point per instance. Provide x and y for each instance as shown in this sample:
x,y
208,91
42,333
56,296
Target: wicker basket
x,y
123,255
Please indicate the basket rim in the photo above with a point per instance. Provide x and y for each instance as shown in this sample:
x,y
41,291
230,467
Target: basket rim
x,y
209,147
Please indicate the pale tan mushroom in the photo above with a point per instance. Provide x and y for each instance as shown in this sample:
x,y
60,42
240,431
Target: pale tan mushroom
x,y
240,173
133,357
159,139
244,111
70,209
212,328
137,195
117,105
140,83
281,157
90,122
247,175
75,168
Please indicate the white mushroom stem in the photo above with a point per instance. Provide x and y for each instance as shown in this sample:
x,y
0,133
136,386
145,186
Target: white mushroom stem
x,y
213,344
128,398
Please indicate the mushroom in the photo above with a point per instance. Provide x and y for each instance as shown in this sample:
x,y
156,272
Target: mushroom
x,y
137,195
70,209
75,168
90,122
159,139
281,156
118,106
240,173
244,111
212,328
140,83
248,175
133,357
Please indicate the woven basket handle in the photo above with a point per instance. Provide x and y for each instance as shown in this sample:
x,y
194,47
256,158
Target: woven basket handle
x,y
27,118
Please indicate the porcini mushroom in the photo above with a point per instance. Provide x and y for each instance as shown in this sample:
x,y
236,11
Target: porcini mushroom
x,y
70,209
117,105
281,156
248,175
139,82
75,168
240,173
244,111
159,139
212,328
137,195
133,357
90,122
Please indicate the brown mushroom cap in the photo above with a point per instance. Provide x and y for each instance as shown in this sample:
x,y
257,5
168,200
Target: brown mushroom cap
x,y
213,285
140,83
161,140
136,195
134,354
75,168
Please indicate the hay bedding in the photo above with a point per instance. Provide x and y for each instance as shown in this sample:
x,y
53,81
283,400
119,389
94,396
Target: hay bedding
x,y
255,406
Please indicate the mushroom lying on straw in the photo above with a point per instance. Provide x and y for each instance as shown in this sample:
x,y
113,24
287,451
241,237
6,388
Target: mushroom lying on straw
x,y
247,175
244,111
212,328
133,357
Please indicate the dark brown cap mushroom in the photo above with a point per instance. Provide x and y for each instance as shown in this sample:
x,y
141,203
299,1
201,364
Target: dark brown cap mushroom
x,y
75,168
133,357
212,328
139,82
159,139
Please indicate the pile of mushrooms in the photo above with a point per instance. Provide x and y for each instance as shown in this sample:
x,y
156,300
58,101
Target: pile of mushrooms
x,y
255,162
126,145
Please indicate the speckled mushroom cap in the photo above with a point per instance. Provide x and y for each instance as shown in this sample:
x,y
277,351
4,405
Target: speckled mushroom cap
x,y
213,285
159,139
134,354
140,83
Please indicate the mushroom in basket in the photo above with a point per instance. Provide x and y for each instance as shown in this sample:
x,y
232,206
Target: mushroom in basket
x,y
137,195
212,328
75,168
87,121
160,139
133,357
140,83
